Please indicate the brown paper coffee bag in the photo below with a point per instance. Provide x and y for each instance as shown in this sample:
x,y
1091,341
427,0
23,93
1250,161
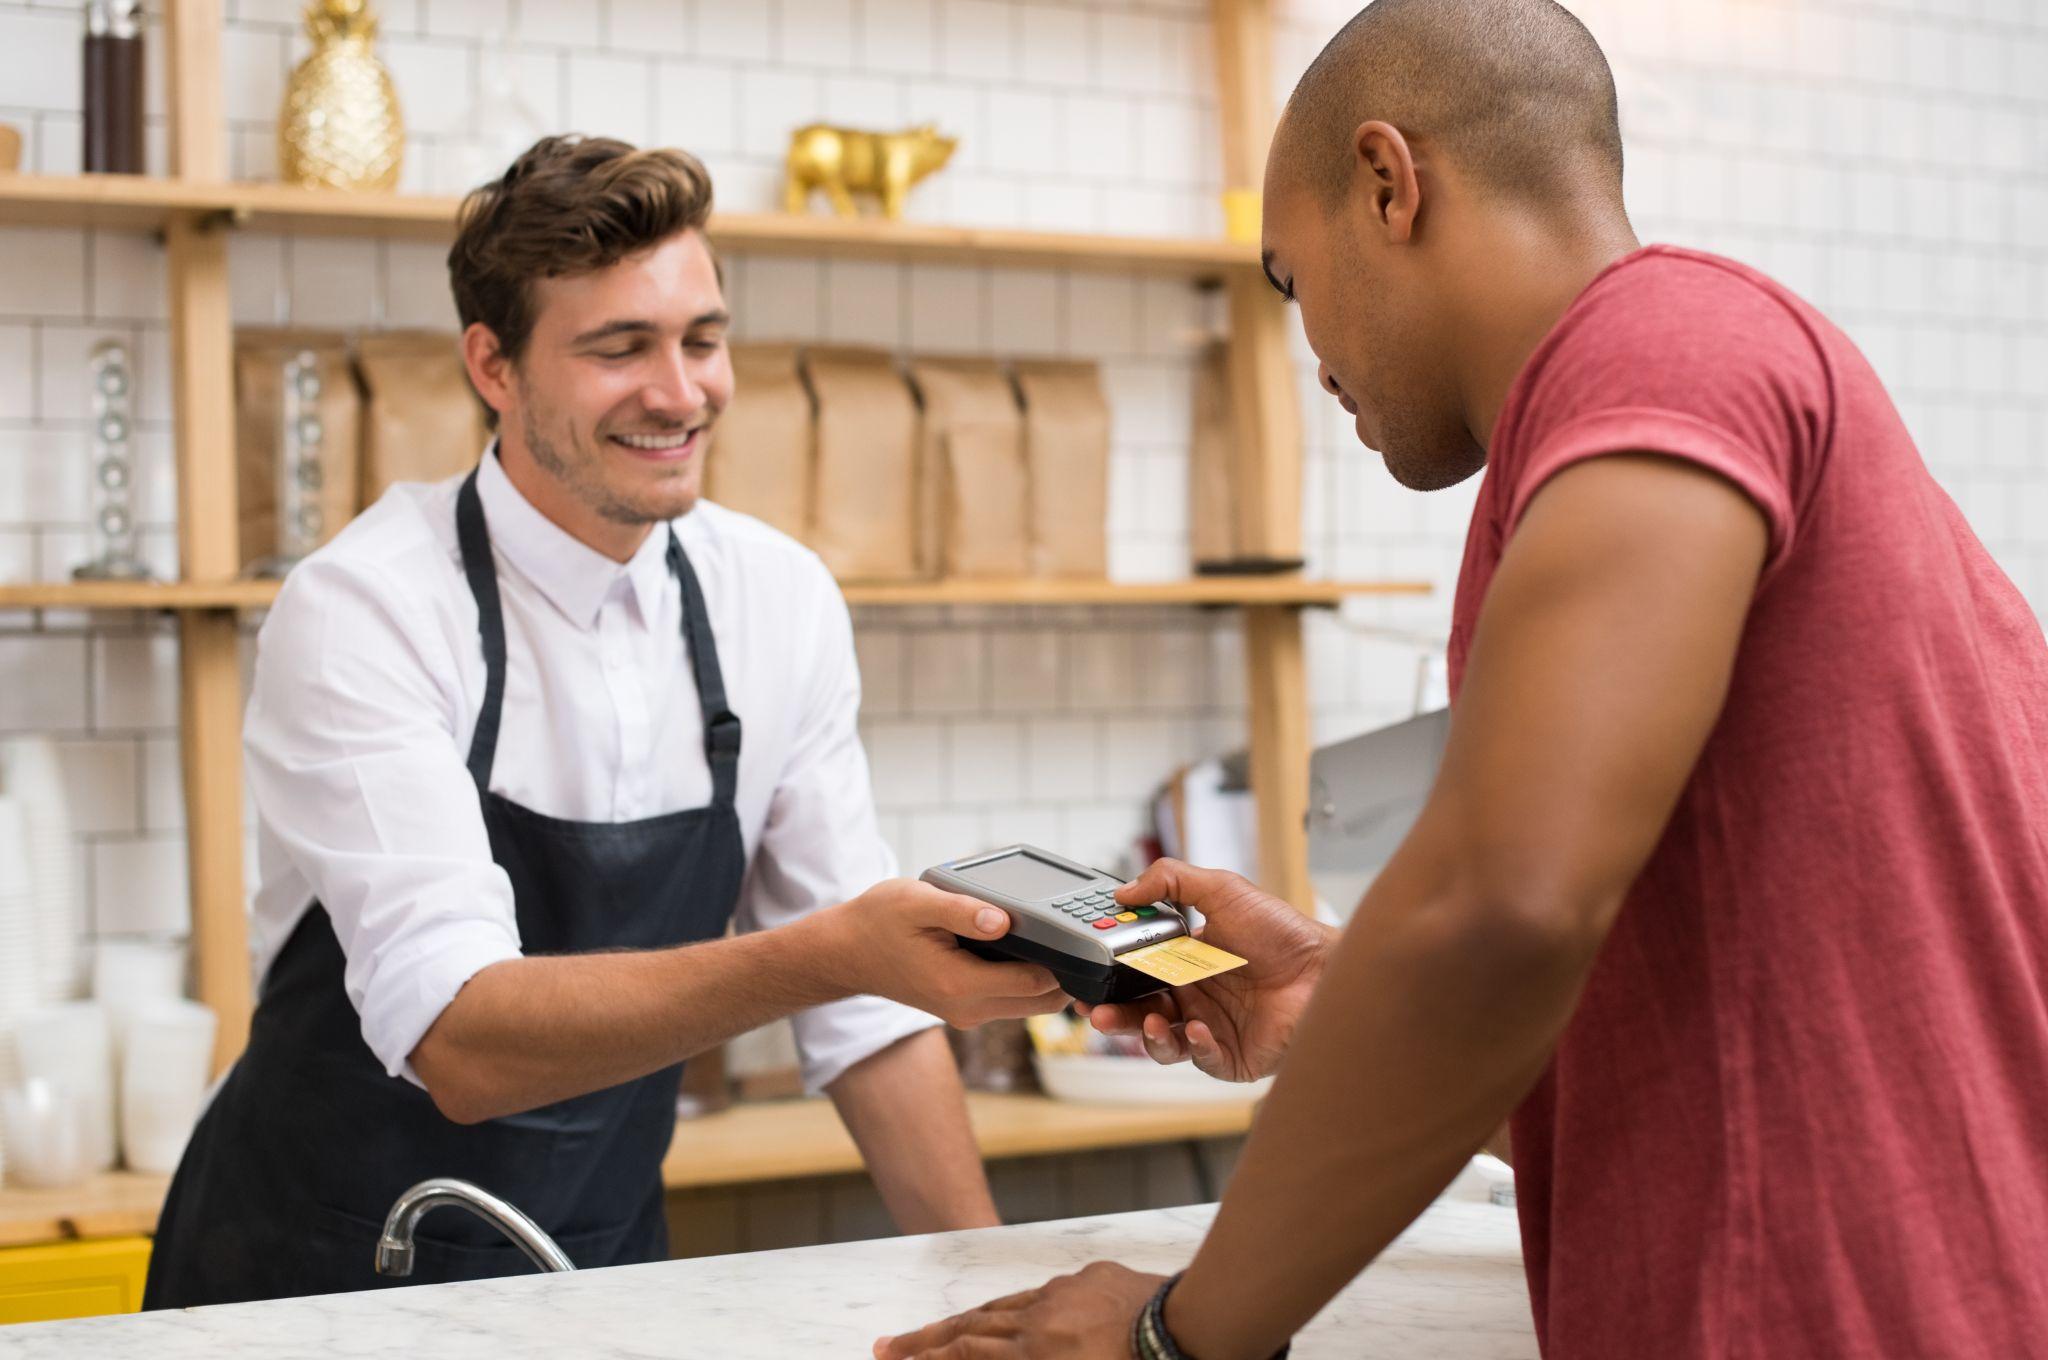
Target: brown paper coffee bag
x,y
1066,445
422,422
759,458
973,486
260,408
1212,527
864,496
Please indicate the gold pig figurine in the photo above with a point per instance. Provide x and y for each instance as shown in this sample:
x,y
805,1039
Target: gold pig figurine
x,y
841,160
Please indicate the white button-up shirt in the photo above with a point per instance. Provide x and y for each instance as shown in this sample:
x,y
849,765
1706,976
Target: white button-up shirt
x,y
369,679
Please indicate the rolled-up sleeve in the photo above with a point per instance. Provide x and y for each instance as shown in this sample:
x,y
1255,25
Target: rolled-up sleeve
x,y
351,736
821,845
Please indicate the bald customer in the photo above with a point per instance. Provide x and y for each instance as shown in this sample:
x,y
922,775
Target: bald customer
x,y
1734,884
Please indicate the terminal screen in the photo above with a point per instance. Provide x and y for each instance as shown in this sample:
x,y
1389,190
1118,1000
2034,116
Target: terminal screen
x,y
1025,876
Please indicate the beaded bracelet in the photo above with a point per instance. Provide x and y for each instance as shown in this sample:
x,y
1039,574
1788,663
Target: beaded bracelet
x,y
1149,1338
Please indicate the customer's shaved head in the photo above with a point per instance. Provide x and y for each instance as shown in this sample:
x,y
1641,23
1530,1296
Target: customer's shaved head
x,y
1445,180
1516,93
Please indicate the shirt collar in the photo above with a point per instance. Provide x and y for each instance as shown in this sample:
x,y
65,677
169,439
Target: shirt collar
x,y
574,576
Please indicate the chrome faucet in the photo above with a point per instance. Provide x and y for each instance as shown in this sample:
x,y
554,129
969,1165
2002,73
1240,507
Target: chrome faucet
x,y
394,1249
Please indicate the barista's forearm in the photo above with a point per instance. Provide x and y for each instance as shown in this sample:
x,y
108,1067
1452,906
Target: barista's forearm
x,y
907,1111
530,1031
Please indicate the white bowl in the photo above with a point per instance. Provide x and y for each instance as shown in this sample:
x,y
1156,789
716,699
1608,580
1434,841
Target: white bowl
x,y
1103,1079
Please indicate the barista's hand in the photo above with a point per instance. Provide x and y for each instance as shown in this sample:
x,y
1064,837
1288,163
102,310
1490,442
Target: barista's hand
x,y
1083,1316
896,940
1237,1025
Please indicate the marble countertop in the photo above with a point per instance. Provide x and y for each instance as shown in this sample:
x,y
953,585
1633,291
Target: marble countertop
x,y
1450,1289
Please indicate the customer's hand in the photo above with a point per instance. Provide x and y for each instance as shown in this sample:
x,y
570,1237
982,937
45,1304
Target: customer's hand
x,y
1237,1025
897,940
1083,1316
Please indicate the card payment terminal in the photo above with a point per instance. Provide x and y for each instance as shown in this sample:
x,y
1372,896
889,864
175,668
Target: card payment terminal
x,y
1063,918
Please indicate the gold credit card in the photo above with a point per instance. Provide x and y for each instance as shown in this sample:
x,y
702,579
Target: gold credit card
x,y
1181,960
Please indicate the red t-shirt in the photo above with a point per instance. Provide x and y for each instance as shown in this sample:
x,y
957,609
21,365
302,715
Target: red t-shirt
x,y
1802,1108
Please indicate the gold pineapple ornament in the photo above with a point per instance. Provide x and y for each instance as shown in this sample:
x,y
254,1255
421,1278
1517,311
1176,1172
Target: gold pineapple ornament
x,y
340,127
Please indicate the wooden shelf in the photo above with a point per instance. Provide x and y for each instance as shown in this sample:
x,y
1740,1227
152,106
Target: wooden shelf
x,y
1197,590
111,1204
771,1141
138,595
338,212
134,202
1286,591
141,202
911,242
791,1139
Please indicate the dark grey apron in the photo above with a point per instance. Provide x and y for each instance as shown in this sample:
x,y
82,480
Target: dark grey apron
x,y
284,1186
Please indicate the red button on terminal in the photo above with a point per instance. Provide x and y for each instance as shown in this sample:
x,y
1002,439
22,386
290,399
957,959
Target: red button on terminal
x,y
1105,925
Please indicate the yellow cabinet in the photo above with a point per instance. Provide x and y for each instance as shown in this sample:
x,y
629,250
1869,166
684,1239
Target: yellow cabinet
x,y
72,1279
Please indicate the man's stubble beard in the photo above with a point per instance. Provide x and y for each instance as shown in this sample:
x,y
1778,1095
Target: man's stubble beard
x,y
1424,465
1424,453
582,481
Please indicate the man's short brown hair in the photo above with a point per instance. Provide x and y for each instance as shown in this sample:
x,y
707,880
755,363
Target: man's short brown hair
x,y
568,205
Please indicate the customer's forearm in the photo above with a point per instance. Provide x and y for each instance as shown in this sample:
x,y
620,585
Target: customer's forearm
x,y
907,1111
530,1031
1435,1016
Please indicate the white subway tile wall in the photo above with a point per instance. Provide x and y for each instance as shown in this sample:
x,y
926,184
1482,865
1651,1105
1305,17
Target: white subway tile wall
x,y
1887,158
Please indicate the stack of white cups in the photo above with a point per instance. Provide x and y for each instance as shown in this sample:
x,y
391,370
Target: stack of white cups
x,y
64,1062
31,774
19,973
60,1114
67,1048
129,972
45,1127
131,977
19,961
167,1053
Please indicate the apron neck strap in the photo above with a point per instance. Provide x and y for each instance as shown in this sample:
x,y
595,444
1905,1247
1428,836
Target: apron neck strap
x,y
475,542
721,724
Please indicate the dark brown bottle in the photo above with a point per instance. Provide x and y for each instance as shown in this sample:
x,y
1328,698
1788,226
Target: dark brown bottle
x,y
113,87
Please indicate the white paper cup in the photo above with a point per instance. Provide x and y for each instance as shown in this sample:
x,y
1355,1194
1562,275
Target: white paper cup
x,y
31,771
43,1126
164,1068
20,954
127,973
15,873
68,1047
